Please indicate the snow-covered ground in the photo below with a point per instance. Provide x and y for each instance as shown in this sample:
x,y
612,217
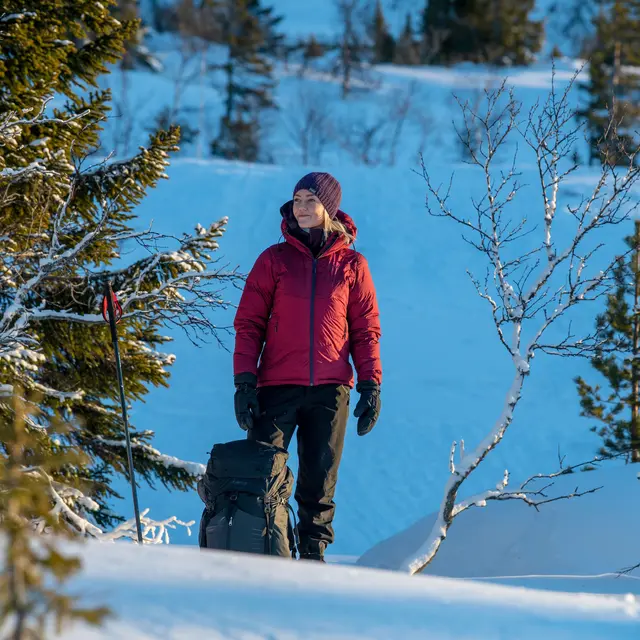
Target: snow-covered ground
x,y
510,572
445,378
445,375
179,593
583,542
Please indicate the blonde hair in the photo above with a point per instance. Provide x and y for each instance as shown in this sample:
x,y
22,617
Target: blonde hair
x,y
333,225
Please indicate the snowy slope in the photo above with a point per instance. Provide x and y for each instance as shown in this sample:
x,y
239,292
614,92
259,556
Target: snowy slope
x,y
445,375
320,18
178,593
582,541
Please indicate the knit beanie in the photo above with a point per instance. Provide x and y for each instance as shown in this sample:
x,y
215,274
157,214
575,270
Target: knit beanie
x,y
325,187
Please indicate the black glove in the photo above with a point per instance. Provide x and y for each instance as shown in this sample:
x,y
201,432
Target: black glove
x,y
245,400
368,408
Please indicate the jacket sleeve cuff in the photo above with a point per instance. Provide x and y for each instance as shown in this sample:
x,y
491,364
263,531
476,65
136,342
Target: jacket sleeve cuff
x,y
366,385
245,378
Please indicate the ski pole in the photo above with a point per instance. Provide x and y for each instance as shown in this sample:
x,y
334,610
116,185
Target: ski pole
x,y
112,313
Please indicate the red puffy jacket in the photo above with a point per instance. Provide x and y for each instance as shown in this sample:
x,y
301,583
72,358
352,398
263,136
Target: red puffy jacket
x,y
303,316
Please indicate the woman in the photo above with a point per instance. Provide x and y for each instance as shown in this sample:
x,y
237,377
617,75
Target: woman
x,y
308,304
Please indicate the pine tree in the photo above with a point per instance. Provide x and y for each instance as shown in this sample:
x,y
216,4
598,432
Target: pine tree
x,y
63,226
249,33
613,89
311,50
34,568
136,54
269,22
437,22
383,42
572,22
493,31
618,329
407,51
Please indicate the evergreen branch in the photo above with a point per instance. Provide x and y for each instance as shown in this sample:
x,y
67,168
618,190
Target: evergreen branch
x,y
194,469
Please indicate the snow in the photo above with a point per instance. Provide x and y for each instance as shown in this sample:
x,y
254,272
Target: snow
x,y
177,592
445,375
505,569
583,539
193,468
17,16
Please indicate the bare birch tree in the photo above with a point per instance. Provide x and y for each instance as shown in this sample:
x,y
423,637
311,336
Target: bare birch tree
x,y
308,123
377,140
527,290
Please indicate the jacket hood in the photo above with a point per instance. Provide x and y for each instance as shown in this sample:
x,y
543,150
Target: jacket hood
x,y
289,222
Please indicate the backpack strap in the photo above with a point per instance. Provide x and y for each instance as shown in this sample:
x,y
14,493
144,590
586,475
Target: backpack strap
x,y
267,538
294,538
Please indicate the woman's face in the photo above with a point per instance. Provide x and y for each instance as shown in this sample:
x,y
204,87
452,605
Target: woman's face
x,y
308,210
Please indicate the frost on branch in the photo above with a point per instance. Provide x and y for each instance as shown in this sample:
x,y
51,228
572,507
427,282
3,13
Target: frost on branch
x,y
153,531
528,287
68,227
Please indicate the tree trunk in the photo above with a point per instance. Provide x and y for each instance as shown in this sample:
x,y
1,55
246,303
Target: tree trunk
x,y
230,96
203,72
635,426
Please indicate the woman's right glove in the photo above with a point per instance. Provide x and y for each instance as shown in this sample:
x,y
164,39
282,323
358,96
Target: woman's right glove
x,y
368,408
245,400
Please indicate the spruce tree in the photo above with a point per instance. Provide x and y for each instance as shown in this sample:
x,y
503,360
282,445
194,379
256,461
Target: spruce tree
x,y
64,225
249,32
136,54
618,361
311,50
383,42
482,31
35,568
437,21
407,51
612,112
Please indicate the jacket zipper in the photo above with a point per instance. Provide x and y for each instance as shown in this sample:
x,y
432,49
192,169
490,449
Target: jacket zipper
x,y
313,297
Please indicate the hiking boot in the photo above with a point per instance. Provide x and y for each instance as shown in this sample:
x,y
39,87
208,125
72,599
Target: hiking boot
x,y
313,550
318,557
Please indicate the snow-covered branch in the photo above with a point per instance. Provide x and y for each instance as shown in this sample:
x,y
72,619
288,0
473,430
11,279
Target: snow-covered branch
x,y
534,497
66,500
70,229
533,288
178,282
195,469
11,125
153,531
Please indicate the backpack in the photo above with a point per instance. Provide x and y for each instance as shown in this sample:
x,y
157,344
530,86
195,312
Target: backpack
x,y
246,491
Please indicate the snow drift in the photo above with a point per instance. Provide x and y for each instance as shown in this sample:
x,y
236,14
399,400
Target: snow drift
x,y
593,535
178,593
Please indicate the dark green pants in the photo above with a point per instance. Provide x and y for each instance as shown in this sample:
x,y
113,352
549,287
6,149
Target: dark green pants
x,y
321,414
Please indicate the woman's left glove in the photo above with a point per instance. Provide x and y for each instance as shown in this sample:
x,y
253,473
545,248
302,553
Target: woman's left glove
x,y
368,408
